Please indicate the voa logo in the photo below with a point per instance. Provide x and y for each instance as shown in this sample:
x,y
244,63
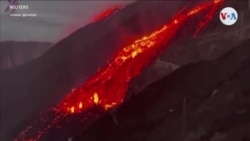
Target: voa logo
x,y
228,16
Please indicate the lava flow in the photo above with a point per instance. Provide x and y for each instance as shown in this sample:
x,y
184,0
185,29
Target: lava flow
x,y
108,86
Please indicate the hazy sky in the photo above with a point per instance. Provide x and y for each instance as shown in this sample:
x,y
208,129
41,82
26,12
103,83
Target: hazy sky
x,y
54,19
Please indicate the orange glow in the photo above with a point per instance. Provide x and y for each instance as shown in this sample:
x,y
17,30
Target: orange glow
x,y
96,98
72,109
108,106
80,105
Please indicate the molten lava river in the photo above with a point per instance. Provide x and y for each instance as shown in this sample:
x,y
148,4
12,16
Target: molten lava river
x,y
106,89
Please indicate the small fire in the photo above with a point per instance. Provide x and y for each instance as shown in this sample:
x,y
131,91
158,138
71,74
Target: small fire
x,y
96,98
72,110
80,105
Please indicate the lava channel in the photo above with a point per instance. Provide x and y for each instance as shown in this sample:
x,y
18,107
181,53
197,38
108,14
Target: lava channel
x,y
107,88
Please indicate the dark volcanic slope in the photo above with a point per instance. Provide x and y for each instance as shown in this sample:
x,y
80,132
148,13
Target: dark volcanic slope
x,y
217,105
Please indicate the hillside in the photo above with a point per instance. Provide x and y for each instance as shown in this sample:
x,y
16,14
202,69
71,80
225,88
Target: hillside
x,y
214,95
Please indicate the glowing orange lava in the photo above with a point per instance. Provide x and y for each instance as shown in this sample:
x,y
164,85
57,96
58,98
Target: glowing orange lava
x,y
108,86
111,82
96,98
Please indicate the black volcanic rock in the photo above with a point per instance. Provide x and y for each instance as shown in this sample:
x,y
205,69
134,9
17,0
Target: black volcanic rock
x,y
215,94
153,73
